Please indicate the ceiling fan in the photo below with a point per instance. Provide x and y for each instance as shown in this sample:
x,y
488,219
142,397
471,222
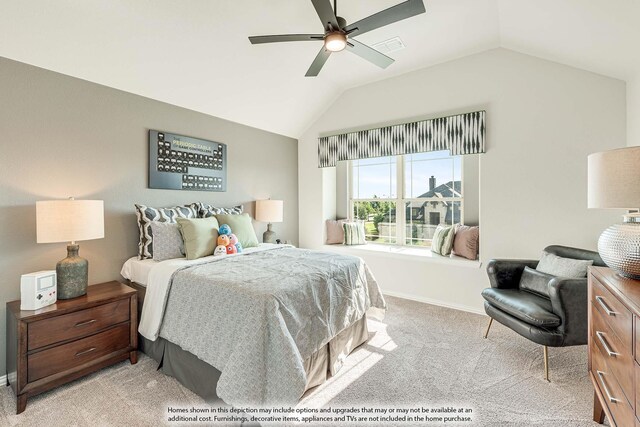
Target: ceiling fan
x,y
338,35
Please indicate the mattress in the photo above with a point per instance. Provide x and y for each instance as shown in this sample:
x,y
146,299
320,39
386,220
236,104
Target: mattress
x,y
137,270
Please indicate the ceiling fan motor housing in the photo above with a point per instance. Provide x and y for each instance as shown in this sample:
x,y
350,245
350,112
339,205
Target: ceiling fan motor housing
x,y
341,22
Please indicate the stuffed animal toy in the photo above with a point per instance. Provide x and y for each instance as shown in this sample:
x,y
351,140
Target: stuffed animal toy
x,y
224,230
231,250
238,247
233,239
220,250
223,240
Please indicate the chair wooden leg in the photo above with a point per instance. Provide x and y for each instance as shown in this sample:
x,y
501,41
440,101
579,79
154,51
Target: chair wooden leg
x,y
546,363
486,334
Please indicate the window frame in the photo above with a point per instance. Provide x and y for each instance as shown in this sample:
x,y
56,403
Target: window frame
x,y
400,200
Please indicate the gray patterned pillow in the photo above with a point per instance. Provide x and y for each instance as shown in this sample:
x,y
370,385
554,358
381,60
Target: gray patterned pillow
x,y
167,241
563,267
146,215
207,211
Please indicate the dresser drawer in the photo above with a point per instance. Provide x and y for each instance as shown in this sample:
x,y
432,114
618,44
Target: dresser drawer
x,y
614,313
637,375
622,412
74,325
618,360
74,354
636,326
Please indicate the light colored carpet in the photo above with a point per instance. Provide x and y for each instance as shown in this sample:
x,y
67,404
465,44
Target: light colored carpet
x,y
420,355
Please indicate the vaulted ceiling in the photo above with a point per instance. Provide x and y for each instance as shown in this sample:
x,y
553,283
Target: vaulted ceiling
x,y
196,54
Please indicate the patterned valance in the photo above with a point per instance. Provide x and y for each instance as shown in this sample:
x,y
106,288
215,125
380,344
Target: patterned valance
x,y
460,134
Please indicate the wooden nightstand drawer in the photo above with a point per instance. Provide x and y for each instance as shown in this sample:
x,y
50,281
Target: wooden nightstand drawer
x,y
74,325
60,358
614,313
70,339
618,360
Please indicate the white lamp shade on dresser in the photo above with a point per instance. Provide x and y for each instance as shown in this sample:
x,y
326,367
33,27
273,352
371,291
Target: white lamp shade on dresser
x,y
614,182
269,210
69,220
614,179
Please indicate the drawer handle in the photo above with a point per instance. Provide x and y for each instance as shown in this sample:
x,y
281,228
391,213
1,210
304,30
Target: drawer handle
x,y
89,350
605,306
606,389
88,322
604,343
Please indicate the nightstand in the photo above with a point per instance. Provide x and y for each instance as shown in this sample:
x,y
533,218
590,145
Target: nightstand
x,y
70,339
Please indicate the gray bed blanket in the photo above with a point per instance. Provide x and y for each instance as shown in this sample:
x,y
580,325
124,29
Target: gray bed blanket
x,y
257,317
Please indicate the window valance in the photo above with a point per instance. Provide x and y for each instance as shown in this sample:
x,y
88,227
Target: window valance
x,y
460,134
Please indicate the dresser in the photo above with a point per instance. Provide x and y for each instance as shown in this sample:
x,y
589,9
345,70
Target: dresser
x,y
69,339
614,347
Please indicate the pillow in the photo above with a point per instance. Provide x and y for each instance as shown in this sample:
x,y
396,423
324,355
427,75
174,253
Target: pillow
x,y
167,241
442,240
354,233
466,241
146,215
242,227
199,236
335,231
563,267
535,281
207,211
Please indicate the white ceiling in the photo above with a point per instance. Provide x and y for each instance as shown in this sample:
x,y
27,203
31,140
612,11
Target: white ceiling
x,y
196,54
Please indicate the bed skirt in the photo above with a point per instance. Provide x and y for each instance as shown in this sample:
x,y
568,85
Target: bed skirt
x,y
202,378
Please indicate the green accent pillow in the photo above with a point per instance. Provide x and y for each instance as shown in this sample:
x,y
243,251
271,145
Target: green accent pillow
x,y
354,233
442,240
199,236
242,227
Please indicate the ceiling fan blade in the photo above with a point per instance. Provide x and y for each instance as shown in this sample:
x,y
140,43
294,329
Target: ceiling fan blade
x,y
318,63
286,38
368,53
388,16
326,13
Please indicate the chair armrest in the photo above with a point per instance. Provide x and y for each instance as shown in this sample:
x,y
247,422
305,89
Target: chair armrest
x,y
570,302
506,273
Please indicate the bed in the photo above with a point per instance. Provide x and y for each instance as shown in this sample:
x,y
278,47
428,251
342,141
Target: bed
x,y
257,328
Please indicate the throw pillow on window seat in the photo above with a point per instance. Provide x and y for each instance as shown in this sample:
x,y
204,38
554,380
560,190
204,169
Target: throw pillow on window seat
x,y
442,241
335,231
354,233
466,242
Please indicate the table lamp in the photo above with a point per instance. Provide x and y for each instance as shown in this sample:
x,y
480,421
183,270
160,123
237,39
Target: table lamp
x,y
269,211
70,221
614,182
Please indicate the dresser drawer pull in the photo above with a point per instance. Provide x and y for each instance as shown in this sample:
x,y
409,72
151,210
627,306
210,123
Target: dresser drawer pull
x,y
605,306
606,389
88,322
604,343
89,350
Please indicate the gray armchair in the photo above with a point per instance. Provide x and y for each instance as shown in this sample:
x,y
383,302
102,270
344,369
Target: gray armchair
x,y
559,321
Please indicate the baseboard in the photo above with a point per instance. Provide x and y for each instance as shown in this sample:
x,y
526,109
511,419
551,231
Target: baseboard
x,y
3,380
439,303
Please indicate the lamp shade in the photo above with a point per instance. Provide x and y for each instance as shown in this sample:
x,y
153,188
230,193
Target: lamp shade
x,y
69,220
614,179
269,210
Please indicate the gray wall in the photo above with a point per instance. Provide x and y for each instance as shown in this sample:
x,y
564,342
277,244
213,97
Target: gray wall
x,y
62,137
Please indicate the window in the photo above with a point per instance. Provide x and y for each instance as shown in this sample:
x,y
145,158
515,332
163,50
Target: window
x,y
402,199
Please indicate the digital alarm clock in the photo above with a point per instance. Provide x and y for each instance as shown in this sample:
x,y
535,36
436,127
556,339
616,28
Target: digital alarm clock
x,y
38,290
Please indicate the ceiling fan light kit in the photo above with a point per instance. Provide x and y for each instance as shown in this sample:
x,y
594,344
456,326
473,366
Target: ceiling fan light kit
x,y
335,42
338,35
